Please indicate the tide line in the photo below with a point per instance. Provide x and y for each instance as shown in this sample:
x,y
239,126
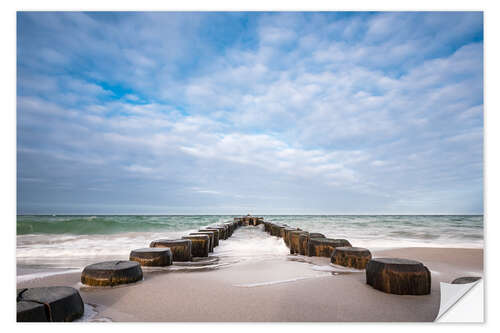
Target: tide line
x,y
269,283
41,275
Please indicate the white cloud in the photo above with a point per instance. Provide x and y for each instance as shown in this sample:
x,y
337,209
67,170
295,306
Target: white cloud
x,y
314,107
139,169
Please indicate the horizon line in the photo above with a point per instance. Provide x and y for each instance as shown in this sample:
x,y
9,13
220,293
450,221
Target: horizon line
x,y
427,214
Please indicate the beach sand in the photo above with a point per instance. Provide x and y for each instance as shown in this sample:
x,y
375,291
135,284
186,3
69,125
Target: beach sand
x,y
296,289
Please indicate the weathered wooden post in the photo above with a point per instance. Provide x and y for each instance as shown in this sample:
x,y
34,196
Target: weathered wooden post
x,y
215,232
111,273
398,276
354,257
324,247
41,304
294,240
222,231
465,279
181,248
276,230
210,235
200,245
304,242
152,256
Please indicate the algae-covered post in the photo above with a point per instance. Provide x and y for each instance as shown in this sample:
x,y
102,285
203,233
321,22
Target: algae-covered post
x,y
210,240
294,240
216,234
249,220
276,230
286,234
201,245
324,247
111,273
398,276
355,257
214,241
221,229
303,243
152,256
181,248
230,228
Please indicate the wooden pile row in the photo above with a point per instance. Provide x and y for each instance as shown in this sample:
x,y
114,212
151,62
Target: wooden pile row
x,y
65,303
162,252
391,275
249,220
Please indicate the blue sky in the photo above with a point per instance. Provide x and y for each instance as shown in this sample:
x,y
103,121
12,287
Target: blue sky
x,y
270,113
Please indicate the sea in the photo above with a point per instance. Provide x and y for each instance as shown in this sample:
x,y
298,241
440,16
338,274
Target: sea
x,y
54,243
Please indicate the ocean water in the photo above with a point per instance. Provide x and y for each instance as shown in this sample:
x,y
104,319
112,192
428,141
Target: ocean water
x,y
75,241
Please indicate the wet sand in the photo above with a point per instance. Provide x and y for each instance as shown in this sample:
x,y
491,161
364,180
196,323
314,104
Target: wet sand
x,y
295,289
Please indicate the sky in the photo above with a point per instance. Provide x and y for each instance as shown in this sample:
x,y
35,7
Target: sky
x,y
263,113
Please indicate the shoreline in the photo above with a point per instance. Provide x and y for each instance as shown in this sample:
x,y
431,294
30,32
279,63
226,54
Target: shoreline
x,y
291,289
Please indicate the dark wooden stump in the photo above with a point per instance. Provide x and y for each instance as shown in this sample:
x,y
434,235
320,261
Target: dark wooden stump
x,y
293,237
216,235
324,247
210,236
230,227
276,230
465,279
303,243
270,228
226,228
222,231
214,239
48,304
28,311
111,273
152,256
398,276
181,248
200,246
285,233
281,231
355,257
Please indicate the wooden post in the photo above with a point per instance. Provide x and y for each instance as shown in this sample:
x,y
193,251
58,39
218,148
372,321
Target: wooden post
x,y
398,276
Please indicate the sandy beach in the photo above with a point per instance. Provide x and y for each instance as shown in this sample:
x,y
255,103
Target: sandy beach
x,y
295,289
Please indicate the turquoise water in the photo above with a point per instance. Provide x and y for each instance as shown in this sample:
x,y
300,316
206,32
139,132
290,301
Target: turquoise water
x,y
44,239
110,224
417,227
